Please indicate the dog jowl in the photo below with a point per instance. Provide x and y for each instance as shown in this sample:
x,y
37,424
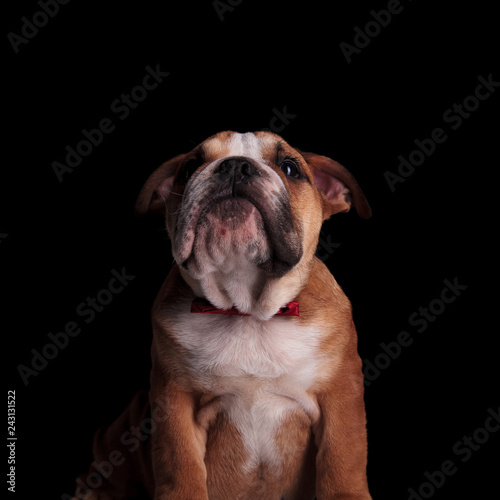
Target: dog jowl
x,y
254,351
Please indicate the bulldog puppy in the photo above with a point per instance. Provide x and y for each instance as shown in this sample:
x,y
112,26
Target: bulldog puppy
x,y
256,383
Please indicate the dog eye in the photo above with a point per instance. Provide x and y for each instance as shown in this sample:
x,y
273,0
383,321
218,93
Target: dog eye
x,y
291,168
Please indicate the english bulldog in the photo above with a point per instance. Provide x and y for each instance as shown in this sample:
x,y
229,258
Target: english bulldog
x,y
256,384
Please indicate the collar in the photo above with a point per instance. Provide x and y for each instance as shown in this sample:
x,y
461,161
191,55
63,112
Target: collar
x,y
200,305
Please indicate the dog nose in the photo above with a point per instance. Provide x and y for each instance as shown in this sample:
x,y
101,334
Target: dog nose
x,y
238,169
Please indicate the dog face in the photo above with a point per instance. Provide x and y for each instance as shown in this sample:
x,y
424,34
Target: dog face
x,y
237,205
246,207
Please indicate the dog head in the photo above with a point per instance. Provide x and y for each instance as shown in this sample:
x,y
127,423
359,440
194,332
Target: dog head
x,y
244,212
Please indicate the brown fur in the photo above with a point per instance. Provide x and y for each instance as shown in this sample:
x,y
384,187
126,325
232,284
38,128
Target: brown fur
x,y
195,452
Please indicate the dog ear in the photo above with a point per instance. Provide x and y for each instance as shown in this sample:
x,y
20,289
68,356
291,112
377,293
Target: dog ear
x,y
158,187
338,186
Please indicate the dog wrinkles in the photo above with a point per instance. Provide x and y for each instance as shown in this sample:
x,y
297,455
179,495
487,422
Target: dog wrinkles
x,y
244,235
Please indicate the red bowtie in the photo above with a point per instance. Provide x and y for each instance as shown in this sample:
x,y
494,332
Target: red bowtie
x,y
203,306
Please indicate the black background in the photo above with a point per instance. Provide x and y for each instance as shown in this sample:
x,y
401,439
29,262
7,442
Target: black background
x,y
60,240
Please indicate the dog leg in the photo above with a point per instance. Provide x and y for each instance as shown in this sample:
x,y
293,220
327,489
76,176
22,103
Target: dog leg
x,y
178,443
341,438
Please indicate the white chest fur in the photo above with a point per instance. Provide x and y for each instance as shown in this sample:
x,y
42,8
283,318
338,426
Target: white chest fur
x,y
229,346
259,371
